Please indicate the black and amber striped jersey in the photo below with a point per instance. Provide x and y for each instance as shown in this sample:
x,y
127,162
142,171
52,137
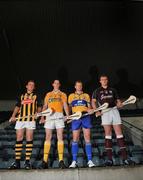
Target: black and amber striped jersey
x,y
28,104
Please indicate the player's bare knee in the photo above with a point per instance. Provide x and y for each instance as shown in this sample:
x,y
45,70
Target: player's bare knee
x,y
60,137
19,137
108,132
29,137
87,137
48,137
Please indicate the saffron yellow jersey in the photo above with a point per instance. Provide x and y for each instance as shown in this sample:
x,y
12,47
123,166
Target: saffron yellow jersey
x,y
79,102
55,100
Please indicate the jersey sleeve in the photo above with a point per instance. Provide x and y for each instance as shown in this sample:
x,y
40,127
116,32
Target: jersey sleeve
x,y
88,98
94,95
39,101
64,98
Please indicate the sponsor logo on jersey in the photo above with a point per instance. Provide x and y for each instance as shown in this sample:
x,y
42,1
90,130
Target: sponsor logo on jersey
x,y
27,101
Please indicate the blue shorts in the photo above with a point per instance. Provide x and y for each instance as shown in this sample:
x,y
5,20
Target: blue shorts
x,y
84,122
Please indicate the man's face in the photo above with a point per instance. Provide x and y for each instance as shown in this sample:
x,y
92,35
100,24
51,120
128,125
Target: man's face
x,y
104,81
30,86
78,86
56,84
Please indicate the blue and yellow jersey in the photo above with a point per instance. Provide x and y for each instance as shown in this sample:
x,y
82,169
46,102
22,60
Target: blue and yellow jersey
x,y
79,102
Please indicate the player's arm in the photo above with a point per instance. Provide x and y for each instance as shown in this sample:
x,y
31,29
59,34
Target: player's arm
x,y
89,108
70,103
16,110
93,100
66,107
45,106
39,107
94,103
118,101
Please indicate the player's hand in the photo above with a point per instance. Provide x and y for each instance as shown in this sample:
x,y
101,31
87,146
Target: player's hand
x,y
42,120
66,118
90,111
12,119
98,114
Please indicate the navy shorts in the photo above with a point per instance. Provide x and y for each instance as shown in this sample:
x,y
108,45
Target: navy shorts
x,y
84,122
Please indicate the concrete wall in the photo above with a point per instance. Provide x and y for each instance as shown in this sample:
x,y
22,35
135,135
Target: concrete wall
x,y
132,173
7,105
134,128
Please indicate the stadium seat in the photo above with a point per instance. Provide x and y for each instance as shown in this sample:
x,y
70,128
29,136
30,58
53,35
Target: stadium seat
x,y
8,138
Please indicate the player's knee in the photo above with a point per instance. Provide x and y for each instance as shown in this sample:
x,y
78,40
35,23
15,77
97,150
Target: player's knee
x,y
29,138
19,137
87,138
75,138
48,137
60,137
108,133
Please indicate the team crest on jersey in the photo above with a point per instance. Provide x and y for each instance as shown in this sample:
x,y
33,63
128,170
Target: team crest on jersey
x,y
106,92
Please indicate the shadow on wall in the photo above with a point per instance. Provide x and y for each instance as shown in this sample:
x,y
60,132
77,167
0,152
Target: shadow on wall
x,y
63,76
93,82
124,87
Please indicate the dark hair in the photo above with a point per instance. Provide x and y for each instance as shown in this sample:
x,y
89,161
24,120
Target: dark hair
x,y
78,81
56,80
103,75
30,81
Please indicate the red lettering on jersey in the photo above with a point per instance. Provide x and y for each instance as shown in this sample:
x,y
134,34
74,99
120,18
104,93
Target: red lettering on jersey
x,y
27,101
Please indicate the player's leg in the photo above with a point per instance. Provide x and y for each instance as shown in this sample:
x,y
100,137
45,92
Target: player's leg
x,y
47,147
29,147
122,144
108,144
120,140
18,145
49,126
107,125
86,125
117,125
74,150
75,126
60,147
88,147
59,125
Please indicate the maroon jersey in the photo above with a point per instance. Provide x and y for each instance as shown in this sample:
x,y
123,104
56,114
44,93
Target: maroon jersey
x,y
108,95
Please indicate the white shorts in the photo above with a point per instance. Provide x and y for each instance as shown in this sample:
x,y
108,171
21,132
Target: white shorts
x,y
111,117
25,124
55,121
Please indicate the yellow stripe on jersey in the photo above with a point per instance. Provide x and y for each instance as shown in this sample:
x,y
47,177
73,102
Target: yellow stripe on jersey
x,y
79,102
24,110
28,106
55,100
